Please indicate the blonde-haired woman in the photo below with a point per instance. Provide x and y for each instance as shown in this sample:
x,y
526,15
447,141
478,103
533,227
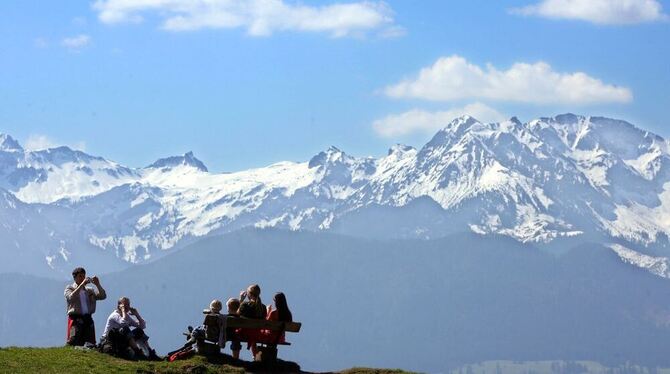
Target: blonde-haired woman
x,y
252,308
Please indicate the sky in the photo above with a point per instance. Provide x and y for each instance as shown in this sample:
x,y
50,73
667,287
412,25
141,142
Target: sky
x,y
247,83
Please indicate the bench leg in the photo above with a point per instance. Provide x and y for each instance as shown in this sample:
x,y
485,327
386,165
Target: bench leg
x,y
266,354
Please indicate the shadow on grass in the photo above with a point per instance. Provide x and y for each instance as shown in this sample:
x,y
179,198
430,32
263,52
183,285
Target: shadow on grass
x,y
278,366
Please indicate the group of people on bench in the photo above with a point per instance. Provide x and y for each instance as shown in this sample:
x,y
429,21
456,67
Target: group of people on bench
x,y
249,305
124,330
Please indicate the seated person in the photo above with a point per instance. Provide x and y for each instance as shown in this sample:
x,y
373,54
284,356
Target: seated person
x,y
216,332
281,313
214,307
252,308
124,333
233,306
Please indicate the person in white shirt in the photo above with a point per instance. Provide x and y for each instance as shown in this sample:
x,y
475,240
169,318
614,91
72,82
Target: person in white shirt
x,y
124,331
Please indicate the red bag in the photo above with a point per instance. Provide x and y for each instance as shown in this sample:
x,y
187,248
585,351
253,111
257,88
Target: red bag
x,y
182,354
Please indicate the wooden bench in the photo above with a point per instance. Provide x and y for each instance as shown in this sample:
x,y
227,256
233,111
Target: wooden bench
x,y
267,350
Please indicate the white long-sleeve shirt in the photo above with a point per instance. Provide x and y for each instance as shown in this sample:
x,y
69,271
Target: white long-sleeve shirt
x,y
116,321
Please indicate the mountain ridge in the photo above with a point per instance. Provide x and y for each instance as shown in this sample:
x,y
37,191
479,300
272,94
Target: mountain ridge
x,y
550,179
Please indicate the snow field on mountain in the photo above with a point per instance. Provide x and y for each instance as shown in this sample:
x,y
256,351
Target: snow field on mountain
x,y
545,180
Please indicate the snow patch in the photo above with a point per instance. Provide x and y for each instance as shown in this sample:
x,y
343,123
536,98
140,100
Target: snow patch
x,y
655,265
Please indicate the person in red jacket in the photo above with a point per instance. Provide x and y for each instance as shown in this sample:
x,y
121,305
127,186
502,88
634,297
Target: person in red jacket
x,y
280,313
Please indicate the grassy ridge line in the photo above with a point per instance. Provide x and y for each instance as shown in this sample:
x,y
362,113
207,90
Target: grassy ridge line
x,y
69,360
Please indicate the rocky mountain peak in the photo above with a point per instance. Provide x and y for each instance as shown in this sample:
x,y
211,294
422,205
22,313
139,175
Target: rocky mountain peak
x,y
187,159
9,144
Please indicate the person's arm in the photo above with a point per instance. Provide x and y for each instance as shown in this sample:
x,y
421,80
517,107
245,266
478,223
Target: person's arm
x,y
141,324
125,319
70,293
110,324
101,295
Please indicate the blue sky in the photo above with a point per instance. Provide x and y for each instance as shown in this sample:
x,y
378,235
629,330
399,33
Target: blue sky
x,y
248,83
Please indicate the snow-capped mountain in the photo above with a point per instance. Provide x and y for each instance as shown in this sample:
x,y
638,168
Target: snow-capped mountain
x,y
551,182
49,175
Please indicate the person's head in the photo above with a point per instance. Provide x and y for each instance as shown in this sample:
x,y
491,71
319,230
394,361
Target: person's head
x,y
254,292
123,302
282,307
280,300
215,306
233,305
78,274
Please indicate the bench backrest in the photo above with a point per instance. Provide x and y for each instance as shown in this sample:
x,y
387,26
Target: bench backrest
x,y
212,324
252,323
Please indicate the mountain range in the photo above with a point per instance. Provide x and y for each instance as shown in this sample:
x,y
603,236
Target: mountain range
x,y
555,183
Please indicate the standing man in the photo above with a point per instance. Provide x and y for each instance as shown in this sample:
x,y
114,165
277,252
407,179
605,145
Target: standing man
x,y
81,306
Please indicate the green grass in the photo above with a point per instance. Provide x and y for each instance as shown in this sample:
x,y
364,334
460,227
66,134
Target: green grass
x,y
69,360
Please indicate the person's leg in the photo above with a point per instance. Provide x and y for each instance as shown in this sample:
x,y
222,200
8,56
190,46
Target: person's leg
x,y
128,337
133,344
141,341
235,347
70,331
77,332
89,337
107,345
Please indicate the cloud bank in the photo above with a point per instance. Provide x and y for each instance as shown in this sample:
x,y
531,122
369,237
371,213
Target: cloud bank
x,y
258,17
604,12
417,120
454,78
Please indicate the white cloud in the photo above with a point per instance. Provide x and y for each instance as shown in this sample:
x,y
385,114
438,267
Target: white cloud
x,y
258,17
428,122
76,42
452,78
606,12
36,142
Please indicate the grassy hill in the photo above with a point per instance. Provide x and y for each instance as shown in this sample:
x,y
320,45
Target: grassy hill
x,y
69,360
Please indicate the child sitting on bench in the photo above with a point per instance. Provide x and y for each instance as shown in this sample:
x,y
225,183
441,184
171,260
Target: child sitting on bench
x,y
233,306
